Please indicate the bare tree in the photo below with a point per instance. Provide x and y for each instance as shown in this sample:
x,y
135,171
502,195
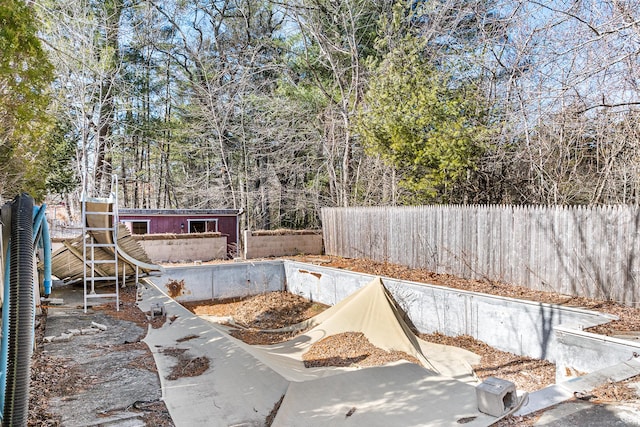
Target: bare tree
x,y
566,77
83,43
337,37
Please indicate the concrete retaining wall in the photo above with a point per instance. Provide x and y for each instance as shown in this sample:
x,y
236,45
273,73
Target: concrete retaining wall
x,y
517,326
223,281
522,327
581,351
183,247
270,245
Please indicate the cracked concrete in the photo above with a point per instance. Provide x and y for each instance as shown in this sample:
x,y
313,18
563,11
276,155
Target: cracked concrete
x,y
108,381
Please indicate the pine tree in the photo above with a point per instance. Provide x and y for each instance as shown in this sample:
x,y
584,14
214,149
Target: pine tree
x,y
25,74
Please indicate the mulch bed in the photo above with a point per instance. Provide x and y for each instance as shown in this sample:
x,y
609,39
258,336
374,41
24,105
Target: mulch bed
x,y
271,310
351,349
526,373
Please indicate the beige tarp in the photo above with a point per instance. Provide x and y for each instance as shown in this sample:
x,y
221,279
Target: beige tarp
x,y
401,394
372,311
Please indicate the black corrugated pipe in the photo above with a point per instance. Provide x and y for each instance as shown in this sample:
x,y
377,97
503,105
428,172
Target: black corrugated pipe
x,y
21,315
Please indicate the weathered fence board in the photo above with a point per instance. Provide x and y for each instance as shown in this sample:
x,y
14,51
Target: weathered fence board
x,y
585,251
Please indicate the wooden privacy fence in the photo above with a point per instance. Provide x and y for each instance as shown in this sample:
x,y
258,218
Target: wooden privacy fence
x,y
583,251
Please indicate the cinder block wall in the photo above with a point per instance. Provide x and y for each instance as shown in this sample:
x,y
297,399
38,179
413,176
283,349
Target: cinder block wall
x,y
270,245
184,248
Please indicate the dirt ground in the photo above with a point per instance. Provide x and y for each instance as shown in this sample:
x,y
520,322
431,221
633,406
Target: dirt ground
x,y
278,309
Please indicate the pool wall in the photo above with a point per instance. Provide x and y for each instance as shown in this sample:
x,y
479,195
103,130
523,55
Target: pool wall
x,y
538,330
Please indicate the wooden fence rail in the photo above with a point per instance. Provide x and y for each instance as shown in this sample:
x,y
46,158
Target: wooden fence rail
x,y
584,251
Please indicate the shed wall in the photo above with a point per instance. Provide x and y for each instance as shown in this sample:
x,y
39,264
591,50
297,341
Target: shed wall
x,y
159,224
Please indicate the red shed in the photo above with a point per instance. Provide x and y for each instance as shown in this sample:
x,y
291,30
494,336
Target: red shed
x,y
157,221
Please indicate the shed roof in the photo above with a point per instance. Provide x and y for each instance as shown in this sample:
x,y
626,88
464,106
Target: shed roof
x,y
180,212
